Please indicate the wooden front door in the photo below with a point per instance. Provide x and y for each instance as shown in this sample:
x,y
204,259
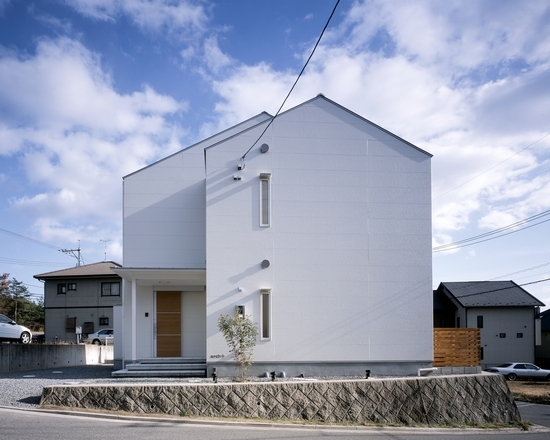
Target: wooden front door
x,y
168,324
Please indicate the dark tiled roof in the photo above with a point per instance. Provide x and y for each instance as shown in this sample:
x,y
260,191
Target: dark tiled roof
x,y
490,294
88,270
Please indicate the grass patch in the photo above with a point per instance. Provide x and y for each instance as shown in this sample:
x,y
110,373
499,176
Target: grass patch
x,y
531,391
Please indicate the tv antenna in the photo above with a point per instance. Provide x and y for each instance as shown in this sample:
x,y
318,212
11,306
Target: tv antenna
x,y
105,251
77,255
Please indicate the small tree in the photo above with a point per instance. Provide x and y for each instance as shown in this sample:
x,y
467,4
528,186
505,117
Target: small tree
x,y
16,303
240,334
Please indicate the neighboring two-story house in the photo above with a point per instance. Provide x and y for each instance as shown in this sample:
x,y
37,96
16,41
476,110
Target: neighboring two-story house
x,y
316,223
503,311
80,297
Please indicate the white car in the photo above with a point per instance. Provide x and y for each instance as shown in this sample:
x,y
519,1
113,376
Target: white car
x,y
11,331
514,371
101,337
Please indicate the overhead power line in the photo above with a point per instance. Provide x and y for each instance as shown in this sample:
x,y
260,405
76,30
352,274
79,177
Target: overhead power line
x,y
295,82
497,233
521,271
30,240
28,262
494,166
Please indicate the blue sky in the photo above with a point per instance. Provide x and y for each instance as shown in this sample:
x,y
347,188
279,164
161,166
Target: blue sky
x,y
91,90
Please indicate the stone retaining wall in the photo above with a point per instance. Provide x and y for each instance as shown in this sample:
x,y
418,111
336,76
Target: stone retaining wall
x,y
472,399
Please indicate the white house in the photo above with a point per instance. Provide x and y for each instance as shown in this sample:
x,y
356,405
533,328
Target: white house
x,y
504,312
317,222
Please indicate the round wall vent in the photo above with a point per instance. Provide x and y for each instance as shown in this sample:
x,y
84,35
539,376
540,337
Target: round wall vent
x,y
264,148
265,264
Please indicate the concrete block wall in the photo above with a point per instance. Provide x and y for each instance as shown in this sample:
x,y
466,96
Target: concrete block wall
x,y
472,399
19,357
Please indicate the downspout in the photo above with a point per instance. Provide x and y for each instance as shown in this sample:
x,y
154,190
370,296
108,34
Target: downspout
x,y
134,323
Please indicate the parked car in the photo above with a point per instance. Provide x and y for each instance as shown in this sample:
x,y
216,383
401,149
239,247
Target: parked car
x,y
11,331
101,337
38,338
514,371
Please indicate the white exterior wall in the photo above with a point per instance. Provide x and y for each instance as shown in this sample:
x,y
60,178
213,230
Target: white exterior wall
x,y
164,209
349,242
509,321
164,226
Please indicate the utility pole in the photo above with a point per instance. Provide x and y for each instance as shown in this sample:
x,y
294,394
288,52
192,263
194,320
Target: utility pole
x,y
71,252
105,251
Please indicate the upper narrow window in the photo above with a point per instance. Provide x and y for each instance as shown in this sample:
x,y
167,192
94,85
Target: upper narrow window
x,y
265,196
265,315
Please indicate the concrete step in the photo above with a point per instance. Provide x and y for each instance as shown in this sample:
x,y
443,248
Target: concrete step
x,y
157,367
173,360
159,373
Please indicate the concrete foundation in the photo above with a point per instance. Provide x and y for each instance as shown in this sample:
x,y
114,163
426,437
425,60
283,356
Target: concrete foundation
x,y
20,357
320,369
435,400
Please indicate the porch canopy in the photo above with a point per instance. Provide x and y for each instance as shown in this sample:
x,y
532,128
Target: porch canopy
x,y
144,276
158,278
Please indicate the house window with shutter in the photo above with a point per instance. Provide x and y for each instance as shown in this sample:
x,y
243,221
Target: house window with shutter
x,y
70,324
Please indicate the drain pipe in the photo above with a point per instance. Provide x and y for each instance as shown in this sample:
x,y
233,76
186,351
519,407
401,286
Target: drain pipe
x,y
214,375
426,370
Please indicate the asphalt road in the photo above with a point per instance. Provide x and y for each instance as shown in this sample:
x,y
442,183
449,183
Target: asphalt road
x,y
19,424
21,420
536,414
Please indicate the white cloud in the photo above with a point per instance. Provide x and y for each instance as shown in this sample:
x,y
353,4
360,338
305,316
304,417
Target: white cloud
x,y
467,83
182,18
76,135
215,59
248,91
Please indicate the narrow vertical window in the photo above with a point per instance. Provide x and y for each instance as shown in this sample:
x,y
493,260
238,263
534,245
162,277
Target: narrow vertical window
x,y
265,196
265,314
480,321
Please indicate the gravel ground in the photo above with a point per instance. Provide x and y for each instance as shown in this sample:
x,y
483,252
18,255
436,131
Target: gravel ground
x,y
24,389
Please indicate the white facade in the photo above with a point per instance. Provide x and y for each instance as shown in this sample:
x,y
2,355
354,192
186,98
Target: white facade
x,y
508,334
343,220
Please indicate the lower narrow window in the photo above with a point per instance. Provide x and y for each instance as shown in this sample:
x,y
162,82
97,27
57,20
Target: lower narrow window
x,y
265,306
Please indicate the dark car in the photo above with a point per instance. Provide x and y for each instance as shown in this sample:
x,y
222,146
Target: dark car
x,y
520,370
38,338
13,332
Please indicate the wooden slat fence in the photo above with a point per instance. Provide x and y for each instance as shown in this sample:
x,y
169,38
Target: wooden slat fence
x,y
456,347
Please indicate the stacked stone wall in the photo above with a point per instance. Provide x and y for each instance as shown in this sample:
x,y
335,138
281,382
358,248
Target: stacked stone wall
x,y
471,399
